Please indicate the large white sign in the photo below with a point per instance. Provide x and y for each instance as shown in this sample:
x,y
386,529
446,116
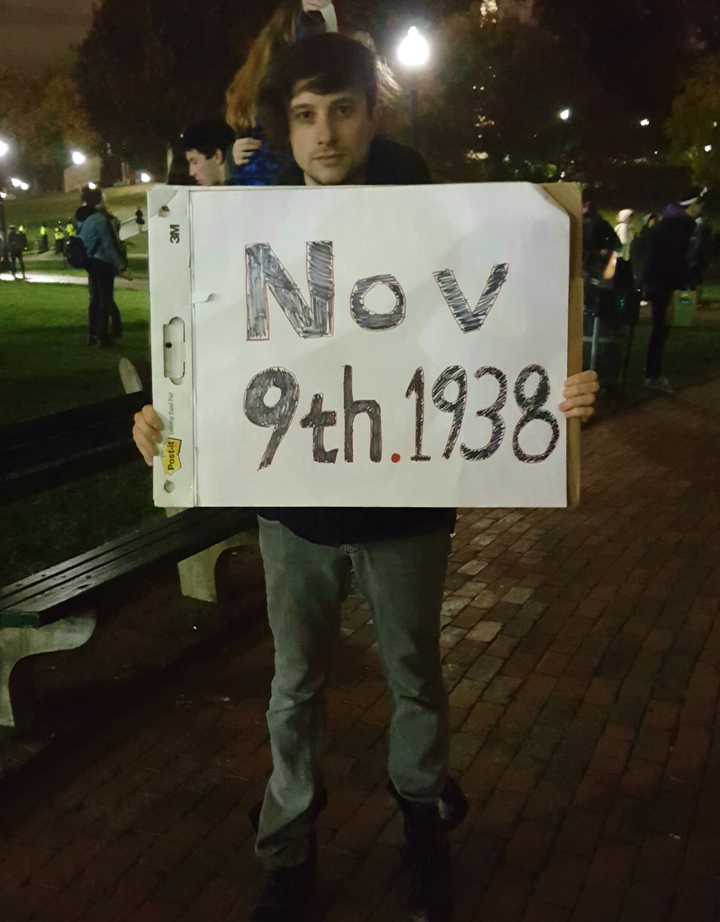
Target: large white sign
x,y
360,346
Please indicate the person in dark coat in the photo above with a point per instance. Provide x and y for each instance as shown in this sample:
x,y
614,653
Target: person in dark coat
x,y
666,271
16,243
322,92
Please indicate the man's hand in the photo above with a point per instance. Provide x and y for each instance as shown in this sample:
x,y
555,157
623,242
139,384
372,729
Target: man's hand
x,y
243,149
147,432
579,393
315,6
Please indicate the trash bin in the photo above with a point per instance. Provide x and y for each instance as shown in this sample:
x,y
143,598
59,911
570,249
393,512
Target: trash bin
x,y
610,316
682,309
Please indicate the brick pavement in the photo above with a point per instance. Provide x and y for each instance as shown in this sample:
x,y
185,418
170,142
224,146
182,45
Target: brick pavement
x,y
582,655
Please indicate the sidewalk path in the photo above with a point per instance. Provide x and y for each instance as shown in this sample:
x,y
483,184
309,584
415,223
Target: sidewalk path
x,y
59,279
582,653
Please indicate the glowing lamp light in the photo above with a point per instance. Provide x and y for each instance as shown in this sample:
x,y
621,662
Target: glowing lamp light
x,y
414,50
645,122
4,147
24,186
565,114
708,148
145,177
78,157
91,185
16,182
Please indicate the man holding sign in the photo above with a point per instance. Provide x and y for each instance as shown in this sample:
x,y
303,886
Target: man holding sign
x,y
321,94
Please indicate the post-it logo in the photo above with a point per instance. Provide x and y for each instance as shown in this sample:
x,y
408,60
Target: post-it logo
x,y
171,456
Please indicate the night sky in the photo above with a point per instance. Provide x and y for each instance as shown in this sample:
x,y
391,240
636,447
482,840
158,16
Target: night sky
x,y
37,33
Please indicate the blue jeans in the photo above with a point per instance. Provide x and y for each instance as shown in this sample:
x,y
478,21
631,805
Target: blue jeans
x,y
402,581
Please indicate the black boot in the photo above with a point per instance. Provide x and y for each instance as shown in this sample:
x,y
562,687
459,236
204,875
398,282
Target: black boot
x,y
287,892
426,854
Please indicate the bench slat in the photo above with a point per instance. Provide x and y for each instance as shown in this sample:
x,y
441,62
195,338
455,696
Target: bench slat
x,y
30,602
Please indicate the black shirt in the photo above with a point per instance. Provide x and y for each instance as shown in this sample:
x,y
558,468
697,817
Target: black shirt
x,y
389,164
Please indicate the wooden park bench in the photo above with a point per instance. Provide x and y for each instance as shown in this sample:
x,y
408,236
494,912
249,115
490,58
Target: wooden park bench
x,y
58,608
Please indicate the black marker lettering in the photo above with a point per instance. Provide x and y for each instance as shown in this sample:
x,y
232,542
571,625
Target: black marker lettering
x,y
280,415
469,320
352,408
369,320
264,270
318,420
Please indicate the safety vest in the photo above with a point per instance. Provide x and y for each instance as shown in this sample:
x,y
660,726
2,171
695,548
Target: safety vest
x,y
70,230
43,230
21,229
59,235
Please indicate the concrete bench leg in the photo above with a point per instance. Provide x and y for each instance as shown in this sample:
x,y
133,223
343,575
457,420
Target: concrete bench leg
x,y
197,574
16,643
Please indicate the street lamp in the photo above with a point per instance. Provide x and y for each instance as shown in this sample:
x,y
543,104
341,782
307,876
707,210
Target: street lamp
x,y
78,157
645,122
708,148
4,258
413,53
565,114
145,177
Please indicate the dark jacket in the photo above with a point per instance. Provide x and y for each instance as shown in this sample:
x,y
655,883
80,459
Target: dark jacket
x,y
389,164
667,267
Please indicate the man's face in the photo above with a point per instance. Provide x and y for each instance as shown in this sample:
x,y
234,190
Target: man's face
x,y
206,171
330,135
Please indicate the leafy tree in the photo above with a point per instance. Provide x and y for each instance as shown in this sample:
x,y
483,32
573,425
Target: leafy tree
x,y
149,67
693,124
45,118
490,107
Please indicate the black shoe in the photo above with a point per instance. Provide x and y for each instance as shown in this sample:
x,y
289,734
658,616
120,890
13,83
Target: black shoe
x,y
426,854
287,892
453,808
430,890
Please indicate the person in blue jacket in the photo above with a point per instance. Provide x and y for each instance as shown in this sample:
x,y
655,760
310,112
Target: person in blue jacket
x,y
95,226
251,162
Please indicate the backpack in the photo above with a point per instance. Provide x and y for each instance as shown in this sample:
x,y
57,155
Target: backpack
x,y
76,254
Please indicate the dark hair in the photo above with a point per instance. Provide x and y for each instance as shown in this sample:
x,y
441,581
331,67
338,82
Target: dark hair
x,y
91,197
329,63
208,136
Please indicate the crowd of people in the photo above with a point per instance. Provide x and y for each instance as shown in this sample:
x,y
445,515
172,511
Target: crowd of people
x,y
667,253
304,110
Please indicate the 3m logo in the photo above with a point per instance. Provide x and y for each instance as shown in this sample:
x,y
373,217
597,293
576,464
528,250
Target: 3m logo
x,y
174,233
171,456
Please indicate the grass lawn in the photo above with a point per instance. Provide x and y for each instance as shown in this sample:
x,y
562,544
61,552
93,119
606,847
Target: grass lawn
x,y
32,210
45,362
46,529
45,367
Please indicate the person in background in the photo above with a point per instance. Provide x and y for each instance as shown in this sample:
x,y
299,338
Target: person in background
x,y
96,228
322,95
252,162
69,228
139,219
43,243
623,277
59,238
701,244
599,242
16,243
640,247
205,144
666,271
